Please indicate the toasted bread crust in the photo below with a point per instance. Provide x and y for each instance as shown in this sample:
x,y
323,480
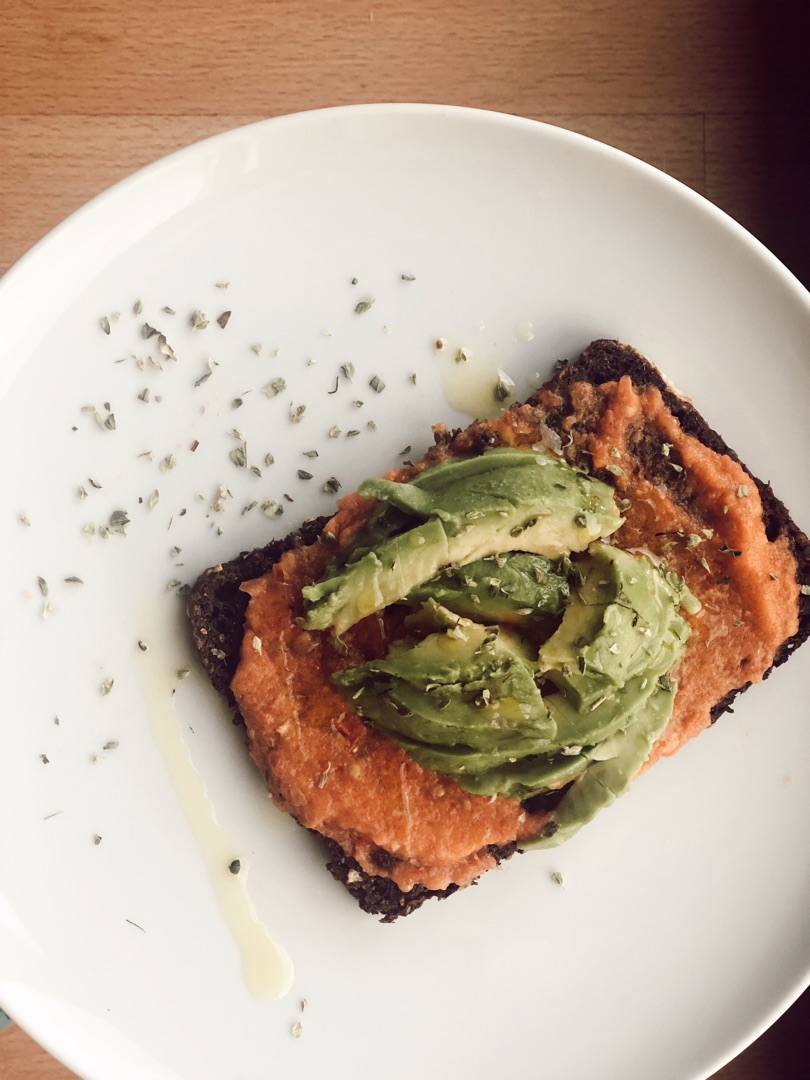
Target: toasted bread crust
x,y
379,895
216,606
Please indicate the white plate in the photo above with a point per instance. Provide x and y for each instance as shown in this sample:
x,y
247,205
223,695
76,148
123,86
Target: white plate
x,y
682,929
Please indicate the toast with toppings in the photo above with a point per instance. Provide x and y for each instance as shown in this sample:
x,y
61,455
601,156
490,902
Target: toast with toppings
x,y
477,653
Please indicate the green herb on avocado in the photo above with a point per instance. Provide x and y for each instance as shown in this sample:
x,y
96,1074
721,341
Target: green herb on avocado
x,y
518,586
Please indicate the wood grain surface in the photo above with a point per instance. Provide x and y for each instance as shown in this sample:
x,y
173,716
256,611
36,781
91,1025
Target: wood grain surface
x,y
714,92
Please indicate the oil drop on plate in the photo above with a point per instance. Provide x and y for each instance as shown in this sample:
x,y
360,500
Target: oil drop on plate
x,y
267,969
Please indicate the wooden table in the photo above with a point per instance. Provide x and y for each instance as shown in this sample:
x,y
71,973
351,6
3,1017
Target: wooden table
x,y
712,91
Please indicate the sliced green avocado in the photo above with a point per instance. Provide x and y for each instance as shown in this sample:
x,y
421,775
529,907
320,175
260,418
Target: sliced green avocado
x,y
507,772
614,625
377,579
480,544
506,588
472,702
512,768
587,726
461,511
467,686
615,762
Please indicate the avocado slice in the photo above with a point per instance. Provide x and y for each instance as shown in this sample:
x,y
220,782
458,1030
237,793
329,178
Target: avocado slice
x,y
509,588
470,686
614,764
461,511
614,624
508,772
377,579
592,724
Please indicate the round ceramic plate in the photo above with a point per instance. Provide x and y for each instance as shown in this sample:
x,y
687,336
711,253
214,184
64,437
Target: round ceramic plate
x,y
146,434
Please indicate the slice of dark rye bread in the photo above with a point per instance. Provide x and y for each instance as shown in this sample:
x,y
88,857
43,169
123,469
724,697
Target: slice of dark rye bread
x,y
217,605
